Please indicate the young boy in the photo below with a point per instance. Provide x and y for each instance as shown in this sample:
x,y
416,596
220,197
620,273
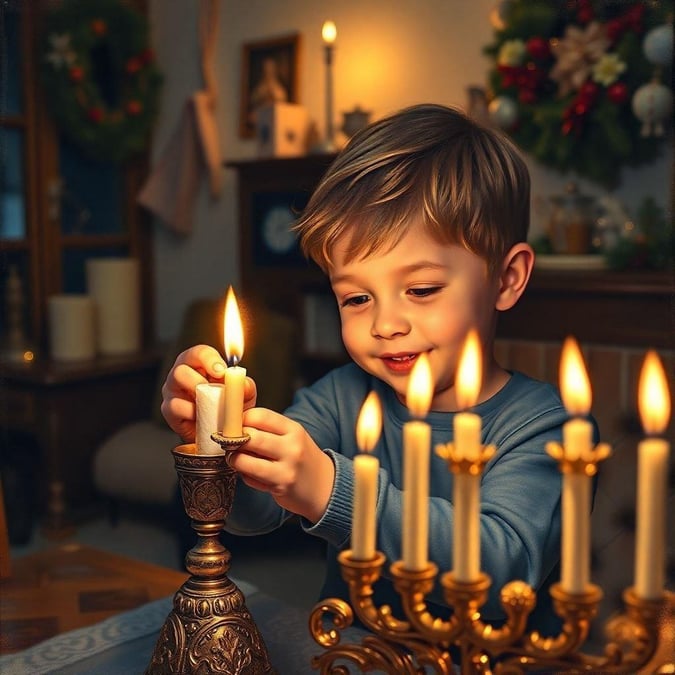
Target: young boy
x,y
421,226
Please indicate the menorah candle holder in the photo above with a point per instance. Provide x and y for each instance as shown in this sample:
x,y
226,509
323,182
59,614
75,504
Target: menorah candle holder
x,y
420,643
210,629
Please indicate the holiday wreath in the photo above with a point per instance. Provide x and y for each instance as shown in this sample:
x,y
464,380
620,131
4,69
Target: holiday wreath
x,y
578,83
100,77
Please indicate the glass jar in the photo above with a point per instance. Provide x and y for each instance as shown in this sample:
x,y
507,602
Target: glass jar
x,y
572,221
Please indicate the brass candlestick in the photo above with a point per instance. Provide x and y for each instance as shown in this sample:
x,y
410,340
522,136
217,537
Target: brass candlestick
x,y
420,643
210,629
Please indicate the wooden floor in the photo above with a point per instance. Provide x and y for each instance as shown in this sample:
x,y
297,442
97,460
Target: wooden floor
x,y
73,586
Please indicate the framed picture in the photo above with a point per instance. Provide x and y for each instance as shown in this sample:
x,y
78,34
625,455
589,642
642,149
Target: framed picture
x,y
269,74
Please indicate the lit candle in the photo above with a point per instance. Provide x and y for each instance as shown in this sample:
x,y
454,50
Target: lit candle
x,y
209,416
467,445
416,451
366,469
328,35
654,405
235,375
575,389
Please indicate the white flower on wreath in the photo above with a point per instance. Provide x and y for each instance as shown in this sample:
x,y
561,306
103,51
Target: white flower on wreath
x,y
606,71
62,53
511,53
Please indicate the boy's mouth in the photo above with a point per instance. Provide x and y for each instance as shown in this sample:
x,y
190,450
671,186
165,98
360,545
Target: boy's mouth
x,y
399,363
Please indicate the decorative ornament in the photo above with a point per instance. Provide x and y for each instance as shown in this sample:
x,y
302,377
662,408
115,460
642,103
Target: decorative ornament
x,y
503,112
658,45
101,81
570,91
652,105
499,14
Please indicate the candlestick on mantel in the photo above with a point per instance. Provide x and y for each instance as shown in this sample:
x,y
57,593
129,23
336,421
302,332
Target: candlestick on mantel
x,y
235,375
467,445
209,416
366,470
575,389
654,406
416,452
328,35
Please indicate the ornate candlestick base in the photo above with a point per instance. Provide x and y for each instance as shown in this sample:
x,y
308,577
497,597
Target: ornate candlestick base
x,y
210,629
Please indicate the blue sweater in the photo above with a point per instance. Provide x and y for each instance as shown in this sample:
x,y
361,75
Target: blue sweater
x,y
520,487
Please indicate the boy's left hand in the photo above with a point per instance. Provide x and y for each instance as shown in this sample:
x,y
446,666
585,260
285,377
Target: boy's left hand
x,y
281,458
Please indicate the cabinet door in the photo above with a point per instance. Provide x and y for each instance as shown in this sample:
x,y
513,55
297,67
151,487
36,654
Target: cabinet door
x,y
58,208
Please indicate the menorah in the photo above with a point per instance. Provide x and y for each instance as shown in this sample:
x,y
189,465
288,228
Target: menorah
x,y
420,643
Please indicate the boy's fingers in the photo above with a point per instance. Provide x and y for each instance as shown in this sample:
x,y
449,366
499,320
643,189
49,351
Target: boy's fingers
x,y
204,358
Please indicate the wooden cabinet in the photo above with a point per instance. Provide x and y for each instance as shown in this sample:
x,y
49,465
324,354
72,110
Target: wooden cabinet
x,y
57,207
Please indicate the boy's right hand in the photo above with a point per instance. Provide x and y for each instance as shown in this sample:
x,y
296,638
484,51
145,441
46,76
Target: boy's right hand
x,y
193,366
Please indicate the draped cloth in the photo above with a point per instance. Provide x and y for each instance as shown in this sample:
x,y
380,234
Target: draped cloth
x,y
193,149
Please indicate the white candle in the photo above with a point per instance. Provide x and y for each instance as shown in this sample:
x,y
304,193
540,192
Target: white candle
x,y
366,470
210,416
235,375
416,452
467,445
654,403
575,389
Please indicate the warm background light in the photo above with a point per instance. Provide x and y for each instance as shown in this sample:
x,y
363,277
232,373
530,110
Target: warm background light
x,y
653,395
469,372
575,386
328,32
233,330
369,423
420,387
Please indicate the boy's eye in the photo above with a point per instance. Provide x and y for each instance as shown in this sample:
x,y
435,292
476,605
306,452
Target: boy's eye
x,y
424,291
354,301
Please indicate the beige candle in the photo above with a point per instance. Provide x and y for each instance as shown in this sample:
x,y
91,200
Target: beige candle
x,y
366,470
575,389
235,375
416,452
654,404
466,491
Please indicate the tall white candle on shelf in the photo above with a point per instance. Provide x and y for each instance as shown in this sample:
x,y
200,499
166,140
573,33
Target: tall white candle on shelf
x,y
209,416
466,492
416,452
654,405
235,375
575,388
366,469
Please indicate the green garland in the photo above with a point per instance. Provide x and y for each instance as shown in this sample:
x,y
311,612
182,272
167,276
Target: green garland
x,y
100,77
591,129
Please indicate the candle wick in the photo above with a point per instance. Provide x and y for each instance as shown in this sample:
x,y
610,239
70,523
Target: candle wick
x,y
232,361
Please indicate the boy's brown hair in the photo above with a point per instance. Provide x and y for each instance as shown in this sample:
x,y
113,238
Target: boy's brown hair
x,y
466,183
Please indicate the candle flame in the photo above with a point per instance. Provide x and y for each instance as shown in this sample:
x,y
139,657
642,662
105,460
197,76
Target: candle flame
x,y
233,331
653,395
575,387
420,387
469,372
328,32
369,423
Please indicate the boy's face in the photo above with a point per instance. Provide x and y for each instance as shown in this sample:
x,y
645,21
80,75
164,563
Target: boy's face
x,y
421,296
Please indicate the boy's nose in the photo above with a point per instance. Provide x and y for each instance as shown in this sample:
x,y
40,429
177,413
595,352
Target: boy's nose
x,y
389,323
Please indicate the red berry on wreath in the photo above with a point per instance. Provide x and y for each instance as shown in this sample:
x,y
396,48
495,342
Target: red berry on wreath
x,y
76,74
617,92
588,91
537,47
133,65
134,107
95,115
527,96
99,27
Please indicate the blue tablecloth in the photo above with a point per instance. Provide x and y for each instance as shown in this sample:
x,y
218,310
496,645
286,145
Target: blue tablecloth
x,y
123,644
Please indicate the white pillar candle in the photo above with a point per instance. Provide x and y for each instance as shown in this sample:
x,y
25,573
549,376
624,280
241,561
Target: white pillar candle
x,y
71,327
366,469
576,540
654,405
235,378
210,416
651,521
466,531
416,451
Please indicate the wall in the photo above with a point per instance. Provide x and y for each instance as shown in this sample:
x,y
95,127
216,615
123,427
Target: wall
x,y
389,53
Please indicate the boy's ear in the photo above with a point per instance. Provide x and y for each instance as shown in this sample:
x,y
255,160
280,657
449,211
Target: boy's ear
x,y
515,273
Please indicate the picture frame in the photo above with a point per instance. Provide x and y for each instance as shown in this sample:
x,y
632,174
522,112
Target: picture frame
x,y
269,74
